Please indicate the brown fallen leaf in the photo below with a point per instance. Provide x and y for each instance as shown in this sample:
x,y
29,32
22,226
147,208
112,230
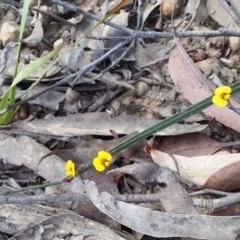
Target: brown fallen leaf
x,y
189,145
219,172
231,210
195,87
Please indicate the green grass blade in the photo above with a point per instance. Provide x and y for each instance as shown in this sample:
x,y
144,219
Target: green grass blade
x,y
31,68
9,97
21,75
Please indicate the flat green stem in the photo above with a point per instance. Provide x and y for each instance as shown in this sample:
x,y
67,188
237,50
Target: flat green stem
x,y
207,102
163,124
35,187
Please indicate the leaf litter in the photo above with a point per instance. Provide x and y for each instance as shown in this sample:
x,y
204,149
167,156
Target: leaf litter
x,y
140,88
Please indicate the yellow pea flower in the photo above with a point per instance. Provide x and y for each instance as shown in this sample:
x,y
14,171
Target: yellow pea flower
x,y
102,160
70,168
222,95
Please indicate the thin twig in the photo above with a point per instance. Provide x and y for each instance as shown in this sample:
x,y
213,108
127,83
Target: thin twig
x,y
211,204
150,34
106,38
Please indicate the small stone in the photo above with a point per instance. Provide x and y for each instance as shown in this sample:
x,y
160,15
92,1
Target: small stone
x,y
9,32
141,88
168,7
199,55
23,114
58,44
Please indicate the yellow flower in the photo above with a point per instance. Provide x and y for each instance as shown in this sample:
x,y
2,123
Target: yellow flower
x,y
102,160
70,168
222,94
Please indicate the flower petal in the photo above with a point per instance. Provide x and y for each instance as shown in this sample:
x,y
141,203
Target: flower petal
x,y
226,96
105,155
70,168
97,163
223,89
217,100
107,163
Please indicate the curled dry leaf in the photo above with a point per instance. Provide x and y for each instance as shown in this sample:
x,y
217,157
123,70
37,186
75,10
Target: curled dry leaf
x,y
28,153
146,53
72,96
122,20
219,172
201,15
160,224
217,11
36,35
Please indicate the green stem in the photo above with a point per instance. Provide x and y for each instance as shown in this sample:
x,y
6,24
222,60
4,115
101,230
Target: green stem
x,y
207,102
36,187
163,124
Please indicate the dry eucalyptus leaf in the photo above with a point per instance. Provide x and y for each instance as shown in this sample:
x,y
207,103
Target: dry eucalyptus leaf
x,y
159,224
198,88
146,53
36,35
99,123
211,171
50,99
218,12
235,7
74,59
7,58
85,51
66,224
22,217
72,96
28,153
148,173
201,14
145,172
148,9
189,145
121,19
176,107
51,74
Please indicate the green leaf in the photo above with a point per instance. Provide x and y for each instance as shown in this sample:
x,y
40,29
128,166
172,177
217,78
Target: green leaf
x,y
21,75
